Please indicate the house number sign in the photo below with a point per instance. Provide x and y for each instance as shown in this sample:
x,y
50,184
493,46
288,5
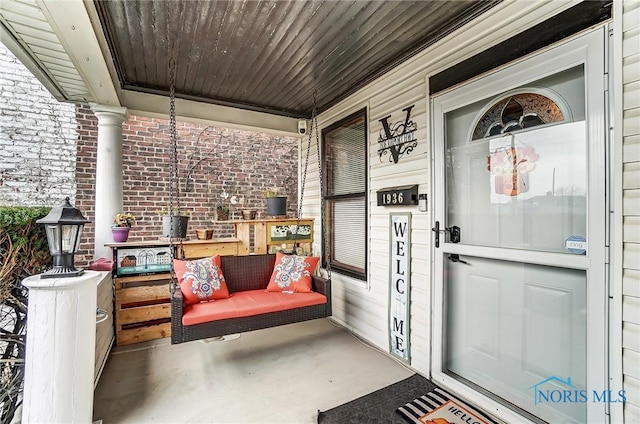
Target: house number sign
x,y
395,196
398,138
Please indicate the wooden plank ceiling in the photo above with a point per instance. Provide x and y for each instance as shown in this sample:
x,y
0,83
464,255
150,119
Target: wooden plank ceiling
x,y
269,55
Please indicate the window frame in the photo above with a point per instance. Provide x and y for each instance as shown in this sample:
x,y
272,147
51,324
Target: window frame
x,y
328,199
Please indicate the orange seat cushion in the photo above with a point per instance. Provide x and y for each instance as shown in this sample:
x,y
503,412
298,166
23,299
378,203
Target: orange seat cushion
x,y
248,303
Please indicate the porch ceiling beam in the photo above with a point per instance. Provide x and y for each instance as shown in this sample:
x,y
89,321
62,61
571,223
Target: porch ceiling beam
x,y
157,106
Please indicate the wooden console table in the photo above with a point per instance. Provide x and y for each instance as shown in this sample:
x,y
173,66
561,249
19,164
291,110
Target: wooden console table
x,y
188,249
272,232
141,279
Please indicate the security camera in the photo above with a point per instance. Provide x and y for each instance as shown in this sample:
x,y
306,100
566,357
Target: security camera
x,y
302,127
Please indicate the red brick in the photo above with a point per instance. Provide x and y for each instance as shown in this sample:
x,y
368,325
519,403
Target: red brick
x,y
249,161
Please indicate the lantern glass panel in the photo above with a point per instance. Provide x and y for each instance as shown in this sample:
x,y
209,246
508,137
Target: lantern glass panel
x,y
69,233
53,237
76,245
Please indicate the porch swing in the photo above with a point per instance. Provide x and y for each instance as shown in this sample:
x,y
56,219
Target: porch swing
x,y
243,296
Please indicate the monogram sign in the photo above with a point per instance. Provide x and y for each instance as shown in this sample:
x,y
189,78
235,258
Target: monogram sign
x,y
397,139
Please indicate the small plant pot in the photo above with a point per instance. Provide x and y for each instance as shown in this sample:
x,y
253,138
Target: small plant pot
x,y
204,234
120,234
175,226
248,214
277,206
222,215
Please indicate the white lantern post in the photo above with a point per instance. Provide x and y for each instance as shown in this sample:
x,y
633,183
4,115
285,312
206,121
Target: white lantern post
x,y
61,329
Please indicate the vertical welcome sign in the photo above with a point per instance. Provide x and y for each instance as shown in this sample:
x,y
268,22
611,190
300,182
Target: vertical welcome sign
x,y
399,284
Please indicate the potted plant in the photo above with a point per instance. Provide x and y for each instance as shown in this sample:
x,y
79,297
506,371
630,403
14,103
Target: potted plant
x,y
276,205
238,202
174,225
222,212
121,225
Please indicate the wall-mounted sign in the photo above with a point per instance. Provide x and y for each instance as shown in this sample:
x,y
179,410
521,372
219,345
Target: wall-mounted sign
x,y
399,284
395,196
397,139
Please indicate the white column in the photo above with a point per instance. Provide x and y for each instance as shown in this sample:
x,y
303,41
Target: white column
x,y
108,174
60,349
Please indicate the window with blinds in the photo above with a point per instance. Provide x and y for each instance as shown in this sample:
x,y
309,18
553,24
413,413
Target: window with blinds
x,y
345,169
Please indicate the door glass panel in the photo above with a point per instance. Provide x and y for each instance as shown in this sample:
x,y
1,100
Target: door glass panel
x,y
519,331
526,188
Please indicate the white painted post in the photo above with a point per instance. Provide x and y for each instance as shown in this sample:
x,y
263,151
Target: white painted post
x,y
60,349
108,174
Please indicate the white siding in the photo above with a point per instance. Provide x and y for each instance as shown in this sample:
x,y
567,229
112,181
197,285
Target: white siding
x,y
363,307
631,209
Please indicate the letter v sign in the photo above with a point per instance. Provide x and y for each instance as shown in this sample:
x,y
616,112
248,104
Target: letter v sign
x,y
395,148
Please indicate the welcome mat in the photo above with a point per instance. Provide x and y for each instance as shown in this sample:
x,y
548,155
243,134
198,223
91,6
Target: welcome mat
x,y
440,407
379,406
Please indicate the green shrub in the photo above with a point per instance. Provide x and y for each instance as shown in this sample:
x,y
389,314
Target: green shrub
x,y
23,252
23,246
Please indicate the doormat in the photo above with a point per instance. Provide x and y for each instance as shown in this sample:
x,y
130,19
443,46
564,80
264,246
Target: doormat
x,y
439,407
378,406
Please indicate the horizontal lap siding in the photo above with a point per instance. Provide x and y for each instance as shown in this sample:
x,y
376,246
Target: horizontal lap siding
x,y
363,306
410,169
631,209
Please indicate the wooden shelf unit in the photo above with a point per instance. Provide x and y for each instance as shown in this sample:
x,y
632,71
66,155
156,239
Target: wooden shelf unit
x,y
143,308
142,302
265,236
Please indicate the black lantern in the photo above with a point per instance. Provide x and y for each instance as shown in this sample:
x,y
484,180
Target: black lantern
x,y
64,227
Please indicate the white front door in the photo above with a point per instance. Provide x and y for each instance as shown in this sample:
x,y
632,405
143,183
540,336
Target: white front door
x,y
520,287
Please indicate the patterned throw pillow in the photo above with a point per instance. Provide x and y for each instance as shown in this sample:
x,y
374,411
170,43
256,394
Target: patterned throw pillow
x,y
201,280
292,273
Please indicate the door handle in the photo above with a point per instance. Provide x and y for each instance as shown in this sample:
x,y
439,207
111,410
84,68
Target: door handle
x,y
437,230
454,233
456,258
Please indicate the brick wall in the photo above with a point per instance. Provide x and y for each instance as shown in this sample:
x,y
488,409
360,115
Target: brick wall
x,y
212,161
37,139
48,152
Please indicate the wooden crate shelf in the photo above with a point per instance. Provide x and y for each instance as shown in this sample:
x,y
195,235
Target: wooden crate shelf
x,y
142,301
143,334
142,308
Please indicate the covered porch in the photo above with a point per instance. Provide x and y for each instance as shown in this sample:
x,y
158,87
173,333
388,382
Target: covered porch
x,y
371,69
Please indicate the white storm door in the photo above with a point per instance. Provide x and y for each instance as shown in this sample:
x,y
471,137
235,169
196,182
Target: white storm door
x,y
519,187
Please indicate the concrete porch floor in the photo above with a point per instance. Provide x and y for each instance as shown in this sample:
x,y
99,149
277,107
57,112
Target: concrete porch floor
x,y
278,375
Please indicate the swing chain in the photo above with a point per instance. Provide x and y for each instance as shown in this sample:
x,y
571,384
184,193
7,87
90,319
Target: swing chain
x,y
306,162
172,145
323,203
314,128
304,174
174,178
